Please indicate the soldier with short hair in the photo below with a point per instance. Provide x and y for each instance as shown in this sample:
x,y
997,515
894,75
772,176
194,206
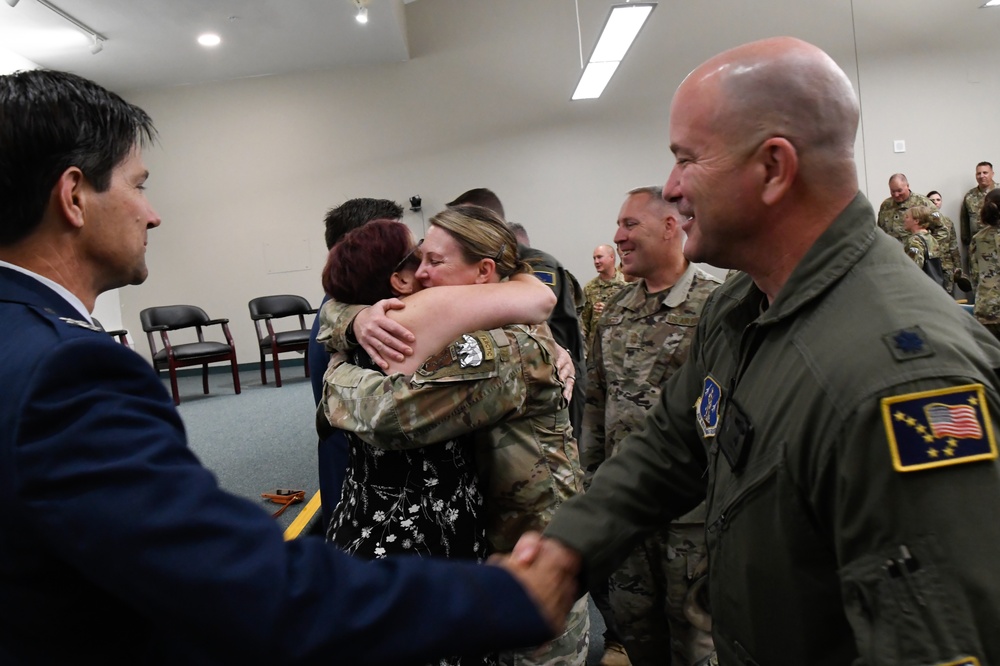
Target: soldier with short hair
x,y
968,219
641,339
599,291
892,210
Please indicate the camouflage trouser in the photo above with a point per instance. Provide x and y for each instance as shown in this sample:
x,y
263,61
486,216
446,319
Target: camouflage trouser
x,y
655,596
568,649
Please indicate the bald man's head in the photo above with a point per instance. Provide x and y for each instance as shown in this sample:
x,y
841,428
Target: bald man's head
x,y
789,88
604,261
762,134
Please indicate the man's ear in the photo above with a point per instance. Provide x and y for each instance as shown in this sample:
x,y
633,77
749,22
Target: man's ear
x,y
485,271
780,165
68,196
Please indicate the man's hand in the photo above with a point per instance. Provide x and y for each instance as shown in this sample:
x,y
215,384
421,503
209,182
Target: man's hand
x,y
566,371
548,571
380,336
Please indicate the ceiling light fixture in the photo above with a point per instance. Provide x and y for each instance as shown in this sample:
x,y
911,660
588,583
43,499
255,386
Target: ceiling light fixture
x,y
619,31
362,15
991,3
209,39
97,39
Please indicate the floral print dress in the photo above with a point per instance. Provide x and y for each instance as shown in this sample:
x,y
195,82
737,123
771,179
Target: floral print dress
x,y
425,501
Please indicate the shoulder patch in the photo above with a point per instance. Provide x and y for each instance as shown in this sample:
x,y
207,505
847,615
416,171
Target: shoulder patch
x,y
707,407
548,277
938,428
964,661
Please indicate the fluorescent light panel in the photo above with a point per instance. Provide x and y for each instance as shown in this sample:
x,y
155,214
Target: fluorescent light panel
x,y
991,3
620,30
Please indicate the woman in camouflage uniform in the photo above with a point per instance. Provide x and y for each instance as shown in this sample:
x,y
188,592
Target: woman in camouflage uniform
x,y
499,385
424,501
984,264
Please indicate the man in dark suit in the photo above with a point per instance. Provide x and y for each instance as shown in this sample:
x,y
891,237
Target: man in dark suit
x,y
116,545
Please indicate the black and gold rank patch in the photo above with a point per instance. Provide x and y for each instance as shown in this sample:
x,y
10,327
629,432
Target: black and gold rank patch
x,y
938,428
964,661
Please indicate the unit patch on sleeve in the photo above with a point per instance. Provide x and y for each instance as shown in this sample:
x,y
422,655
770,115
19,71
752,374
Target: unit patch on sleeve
x,y
707,407
964,661
938,428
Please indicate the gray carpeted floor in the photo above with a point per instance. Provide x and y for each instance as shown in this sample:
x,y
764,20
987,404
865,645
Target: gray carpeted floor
x,y
265,438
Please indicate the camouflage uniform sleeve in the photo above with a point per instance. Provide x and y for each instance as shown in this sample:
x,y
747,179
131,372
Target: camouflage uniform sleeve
x,y
593,437
973,264
586,318
334,322
964,223
914,250
474,383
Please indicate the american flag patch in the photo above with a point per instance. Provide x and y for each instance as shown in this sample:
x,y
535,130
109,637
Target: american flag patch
x,y
938,428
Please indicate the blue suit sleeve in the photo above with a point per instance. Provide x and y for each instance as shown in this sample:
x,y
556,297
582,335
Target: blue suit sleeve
x,y
107,485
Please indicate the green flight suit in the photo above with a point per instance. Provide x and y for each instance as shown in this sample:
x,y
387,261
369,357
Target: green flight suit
x,y
853,526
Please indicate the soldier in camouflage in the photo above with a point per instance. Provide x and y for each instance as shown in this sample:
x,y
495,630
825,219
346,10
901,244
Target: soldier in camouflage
x,y
984,264
943,231
920,245
968,219
500,385
641,340
599,291
890,213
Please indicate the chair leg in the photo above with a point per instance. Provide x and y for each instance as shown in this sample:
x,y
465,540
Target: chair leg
x,y
305,361
204,377
277,370
263,367
236,376
173,385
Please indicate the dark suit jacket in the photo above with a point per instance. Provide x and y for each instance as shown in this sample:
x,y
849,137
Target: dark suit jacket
x,y
117,546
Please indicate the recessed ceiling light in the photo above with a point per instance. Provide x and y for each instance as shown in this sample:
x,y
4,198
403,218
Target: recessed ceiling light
x,y
209,39
992,3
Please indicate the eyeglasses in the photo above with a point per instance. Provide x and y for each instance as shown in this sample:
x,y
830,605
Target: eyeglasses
x,y
408,256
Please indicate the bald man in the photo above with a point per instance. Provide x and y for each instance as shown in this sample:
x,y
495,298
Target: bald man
x,y
893,209
598,291
835,407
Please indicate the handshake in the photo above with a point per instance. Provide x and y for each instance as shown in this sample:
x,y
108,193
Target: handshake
x,y
549,573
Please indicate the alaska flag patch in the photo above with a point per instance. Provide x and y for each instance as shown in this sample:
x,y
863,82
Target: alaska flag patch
x,y
938,428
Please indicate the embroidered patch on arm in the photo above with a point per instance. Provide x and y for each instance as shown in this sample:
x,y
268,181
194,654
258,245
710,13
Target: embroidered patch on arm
x,y
548,277
938,428
964,661
707,407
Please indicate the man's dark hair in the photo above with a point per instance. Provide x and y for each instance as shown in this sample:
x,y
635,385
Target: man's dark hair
x,y
989,164
51,121
353,213
479,196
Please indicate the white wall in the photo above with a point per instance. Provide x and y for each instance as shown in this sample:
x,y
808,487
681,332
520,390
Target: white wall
x,y
249,167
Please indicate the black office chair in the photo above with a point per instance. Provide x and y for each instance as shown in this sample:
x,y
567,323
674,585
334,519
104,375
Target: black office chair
x,y
174,317
269,308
